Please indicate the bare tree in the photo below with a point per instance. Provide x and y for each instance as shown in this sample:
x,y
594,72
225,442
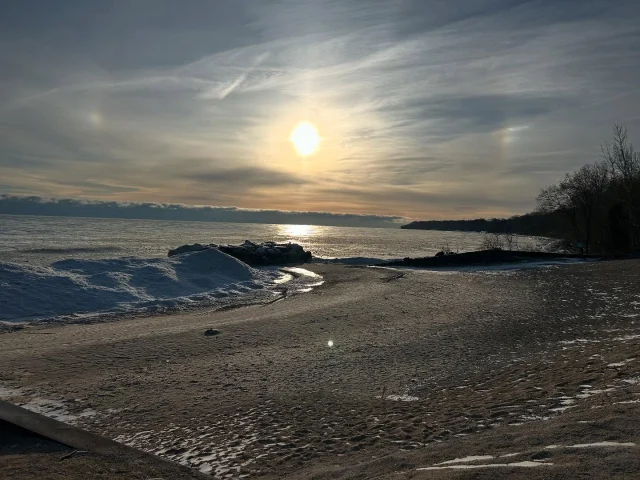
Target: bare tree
x,y
552,199
624,163
601,201
511,241
622,157
585,189
578,196
492,241
557,198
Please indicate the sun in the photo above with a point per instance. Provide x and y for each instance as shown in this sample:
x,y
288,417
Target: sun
x,y
305,139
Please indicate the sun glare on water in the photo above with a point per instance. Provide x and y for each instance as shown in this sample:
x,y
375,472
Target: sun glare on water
x,y
298,230
305,139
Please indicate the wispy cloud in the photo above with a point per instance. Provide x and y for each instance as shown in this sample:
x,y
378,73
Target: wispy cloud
x,y
245,177
425,108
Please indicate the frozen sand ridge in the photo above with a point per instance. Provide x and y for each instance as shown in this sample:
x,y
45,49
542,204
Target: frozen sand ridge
x,y
124,284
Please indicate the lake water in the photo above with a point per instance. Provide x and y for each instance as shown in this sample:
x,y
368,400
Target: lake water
x,y
40,240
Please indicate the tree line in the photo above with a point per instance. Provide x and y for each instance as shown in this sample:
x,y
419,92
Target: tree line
x,y
535,223
600,202
595,209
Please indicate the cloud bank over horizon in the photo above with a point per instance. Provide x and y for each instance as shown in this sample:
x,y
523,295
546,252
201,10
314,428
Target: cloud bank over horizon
x,y
69,207
426,109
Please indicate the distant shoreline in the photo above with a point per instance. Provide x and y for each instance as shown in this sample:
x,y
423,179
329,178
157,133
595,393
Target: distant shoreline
x,y
530,224
488,257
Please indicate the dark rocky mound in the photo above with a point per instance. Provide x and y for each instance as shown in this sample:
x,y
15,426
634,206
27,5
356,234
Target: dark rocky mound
x,y
196,247
482,257
255,254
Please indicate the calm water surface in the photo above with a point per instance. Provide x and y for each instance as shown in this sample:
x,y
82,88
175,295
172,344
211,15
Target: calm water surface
x,y
42,240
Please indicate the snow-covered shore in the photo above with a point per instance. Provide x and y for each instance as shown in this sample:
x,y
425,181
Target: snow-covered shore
x,y
85,287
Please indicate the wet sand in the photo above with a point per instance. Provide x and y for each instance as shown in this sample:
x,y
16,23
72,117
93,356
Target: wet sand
x,y
425,368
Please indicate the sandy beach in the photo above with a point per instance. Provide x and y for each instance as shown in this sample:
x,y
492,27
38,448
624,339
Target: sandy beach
x,y
383,373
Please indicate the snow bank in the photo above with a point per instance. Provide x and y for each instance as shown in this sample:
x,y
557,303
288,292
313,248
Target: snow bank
x,y
125,284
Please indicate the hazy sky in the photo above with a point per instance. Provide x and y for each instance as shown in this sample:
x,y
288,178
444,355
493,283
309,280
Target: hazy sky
x,y
426,109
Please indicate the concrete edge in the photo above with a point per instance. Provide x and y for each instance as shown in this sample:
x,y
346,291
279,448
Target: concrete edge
x,y
75,437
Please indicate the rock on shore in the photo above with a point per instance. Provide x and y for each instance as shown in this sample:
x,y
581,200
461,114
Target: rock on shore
x,y
255,254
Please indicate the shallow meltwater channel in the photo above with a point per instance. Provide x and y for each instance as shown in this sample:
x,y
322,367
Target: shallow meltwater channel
x,y
303,280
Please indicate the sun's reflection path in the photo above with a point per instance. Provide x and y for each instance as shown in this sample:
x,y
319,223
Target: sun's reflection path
x,y
299,230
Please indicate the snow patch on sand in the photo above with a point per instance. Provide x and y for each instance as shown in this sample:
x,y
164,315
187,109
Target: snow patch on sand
x,y
524,464
627,338
605,444
402,398
590,392
566,403
471,458
8,392
507,455
218,447
49,408
620,364
56,410
578,340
